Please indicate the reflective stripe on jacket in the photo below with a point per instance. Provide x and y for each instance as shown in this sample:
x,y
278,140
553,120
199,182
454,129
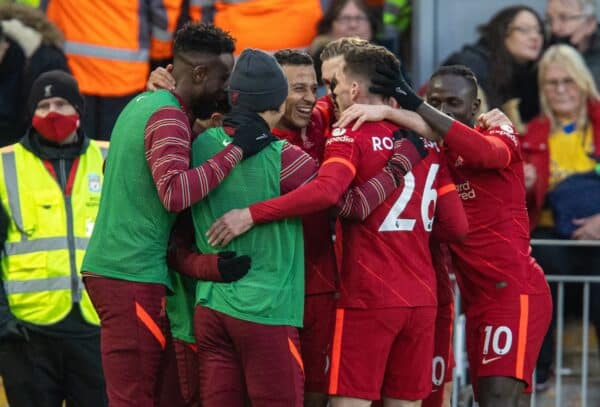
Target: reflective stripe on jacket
x,y
108,42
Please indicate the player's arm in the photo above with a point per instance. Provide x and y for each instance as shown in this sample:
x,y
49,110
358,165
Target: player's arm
x,y
358,202
333,178
167,142
359,114
450,224
476,149
489,150
181,256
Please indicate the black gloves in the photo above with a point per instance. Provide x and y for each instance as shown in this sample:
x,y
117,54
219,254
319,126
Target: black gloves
x,y
409,150
392,84
232,267
252,137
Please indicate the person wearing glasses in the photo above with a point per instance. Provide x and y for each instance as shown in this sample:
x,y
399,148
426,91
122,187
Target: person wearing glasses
x,y
574,22
503,60
561,149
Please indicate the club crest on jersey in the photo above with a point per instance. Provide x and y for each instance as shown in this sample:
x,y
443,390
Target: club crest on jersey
x,y
459,161
94,184
338,132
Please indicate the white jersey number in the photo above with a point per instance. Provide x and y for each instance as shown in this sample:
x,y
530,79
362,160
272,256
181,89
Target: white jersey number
x,y
501,334
393,222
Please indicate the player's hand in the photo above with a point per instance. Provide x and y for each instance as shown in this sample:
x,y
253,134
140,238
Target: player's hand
x,y
409,150
589,228
362,113
392,84
493,118
229,226
161,78
232,267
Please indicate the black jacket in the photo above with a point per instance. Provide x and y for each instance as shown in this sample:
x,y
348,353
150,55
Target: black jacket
x,y
523,85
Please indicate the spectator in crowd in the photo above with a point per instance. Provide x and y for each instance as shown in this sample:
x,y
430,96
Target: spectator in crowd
x,y
574,22
503,60
50,186
29,46
266,24
108,46
343,18
561,152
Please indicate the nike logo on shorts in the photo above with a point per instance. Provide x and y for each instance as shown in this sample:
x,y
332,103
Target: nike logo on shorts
x,y
262,137
485,361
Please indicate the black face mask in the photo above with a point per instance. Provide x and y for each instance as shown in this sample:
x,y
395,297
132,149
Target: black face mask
x,y
564,39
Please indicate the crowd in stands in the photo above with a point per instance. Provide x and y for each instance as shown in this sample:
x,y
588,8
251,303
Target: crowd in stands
x,y
542,71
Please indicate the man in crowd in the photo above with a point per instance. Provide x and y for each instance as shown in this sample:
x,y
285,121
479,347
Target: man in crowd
x,y
148,180
50,189
574,22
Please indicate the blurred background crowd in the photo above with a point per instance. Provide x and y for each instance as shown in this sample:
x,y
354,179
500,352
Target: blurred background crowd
x,y
537,60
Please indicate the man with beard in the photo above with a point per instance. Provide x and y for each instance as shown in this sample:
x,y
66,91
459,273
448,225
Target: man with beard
x,y
574,22
147,180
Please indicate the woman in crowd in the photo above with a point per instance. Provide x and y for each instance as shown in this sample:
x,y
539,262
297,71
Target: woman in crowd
x,y
561,148
504,59
343,18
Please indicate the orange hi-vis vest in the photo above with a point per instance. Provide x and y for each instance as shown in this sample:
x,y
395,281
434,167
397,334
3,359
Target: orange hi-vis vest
x,y
108,42
266,24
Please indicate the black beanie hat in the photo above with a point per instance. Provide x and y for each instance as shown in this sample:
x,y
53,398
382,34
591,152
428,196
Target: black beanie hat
x,y
55,84
257,82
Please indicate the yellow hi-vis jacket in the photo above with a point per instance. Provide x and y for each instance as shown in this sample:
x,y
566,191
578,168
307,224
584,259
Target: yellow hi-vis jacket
x,y
48,234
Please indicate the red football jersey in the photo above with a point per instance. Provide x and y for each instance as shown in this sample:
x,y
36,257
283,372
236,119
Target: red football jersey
x,y
442,259
319,257
493,262
386,260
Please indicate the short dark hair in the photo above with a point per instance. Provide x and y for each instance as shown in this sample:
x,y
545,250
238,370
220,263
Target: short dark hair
x,y
458,70
292,57
363,61
202,37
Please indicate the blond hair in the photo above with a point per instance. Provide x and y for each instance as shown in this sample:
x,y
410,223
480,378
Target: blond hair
x,y
572,61
341,46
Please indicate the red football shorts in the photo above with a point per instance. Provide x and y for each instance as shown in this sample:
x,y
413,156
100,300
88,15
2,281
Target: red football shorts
x,y
382,352
315,340
443,357
241,361
504,338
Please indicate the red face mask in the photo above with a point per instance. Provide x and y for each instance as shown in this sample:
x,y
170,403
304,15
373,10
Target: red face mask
x,y
56,127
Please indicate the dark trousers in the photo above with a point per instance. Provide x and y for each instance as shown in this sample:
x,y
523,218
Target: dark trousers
x,y
563,260
46,370
134,337
101,114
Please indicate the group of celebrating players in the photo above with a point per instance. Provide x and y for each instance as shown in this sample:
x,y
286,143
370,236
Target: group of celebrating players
x,y
417,189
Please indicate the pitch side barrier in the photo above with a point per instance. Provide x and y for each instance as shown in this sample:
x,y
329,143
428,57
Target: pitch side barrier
x,y
460,383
